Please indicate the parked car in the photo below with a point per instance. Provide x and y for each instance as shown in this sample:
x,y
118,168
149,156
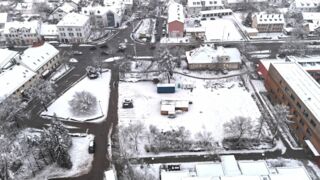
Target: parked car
x,y
92,146
92,48
106,53
127,103
77,53
104,46
92,72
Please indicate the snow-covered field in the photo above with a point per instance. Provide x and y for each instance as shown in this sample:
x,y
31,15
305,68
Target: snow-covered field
x,y
174,40
221,29
80,158
211,107
98,87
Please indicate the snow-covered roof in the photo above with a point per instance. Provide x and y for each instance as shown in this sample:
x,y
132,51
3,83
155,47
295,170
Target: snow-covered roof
x,y
241,1
101,10
309,63
312,148
230,165
253,168
209,170
174,175
35,57
303,85
213,11
312,19
175,12
34,26
195,29
6,56
208,54
240,178
66,7
290,173
109,175
24,6
310,15
12,79
306,3
3,18
264,18
49,30
73,19
207,3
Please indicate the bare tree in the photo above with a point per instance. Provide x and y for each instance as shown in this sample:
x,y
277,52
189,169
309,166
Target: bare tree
x,y
42,90
238,127
83,103
205,138
134,132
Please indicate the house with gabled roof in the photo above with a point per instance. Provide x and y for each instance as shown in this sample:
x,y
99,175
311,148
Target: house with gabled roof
x,y
175,20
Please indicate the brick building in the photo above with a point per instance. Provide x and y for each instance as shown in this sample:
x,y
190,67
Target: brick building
x,y
175,20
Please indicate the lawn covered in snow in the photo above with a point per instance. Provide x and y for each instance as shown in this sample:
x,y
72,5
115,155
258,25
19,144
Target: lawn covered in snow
x,y
80,158
221,29
213,104
98,87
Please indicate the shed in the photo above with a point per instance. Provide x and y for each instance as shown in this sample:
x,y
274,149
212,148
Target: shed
x,y
230,166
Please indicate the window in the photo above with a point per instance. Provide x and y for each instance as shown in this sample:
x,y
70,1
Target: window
x,y
305,113
313,123
70,34
301,122
292,97
299,105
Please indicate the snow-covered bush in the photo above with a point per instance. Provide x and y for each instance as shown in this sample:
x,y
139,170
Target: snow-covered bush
x,y
83,103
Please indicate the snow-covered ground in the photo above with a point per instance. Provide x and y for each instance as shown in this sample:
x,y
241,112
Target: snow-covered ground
x,y
113,59
61,70
145,28
212,105
80,158
98,87
167,40
221,29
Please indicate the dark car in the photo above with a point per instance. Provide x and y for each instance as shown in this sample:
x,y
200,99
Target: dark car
x,y
92,48
104,46
106,53
92,146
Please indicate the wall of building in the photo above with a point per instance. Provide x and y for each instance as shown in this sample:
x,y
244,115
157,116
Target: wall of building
x,y
175,29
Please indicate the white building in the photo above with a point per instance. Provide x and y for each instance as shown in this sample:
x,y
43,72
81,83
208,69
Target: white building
x,y
311,21
7,58
61,11
15,80
41,60
104,16
240,3
22,33
304,5
264,22
49,32
74,28
195,6
3,21
208,57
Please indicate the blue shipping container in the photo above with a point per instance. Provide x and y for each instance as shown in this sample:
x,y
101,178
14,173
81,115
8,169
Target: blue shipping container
x,y
166,88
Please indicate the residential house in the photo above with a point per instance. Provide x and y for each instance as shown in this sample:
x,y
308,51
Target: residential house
x,y
311,21
175,20
268,23
14,80
8,58
240,4
61,11
195,6
217,13
22,33
3,21
207,57
74,28
171,106
49,32
103,16
289,84
41,59
304,5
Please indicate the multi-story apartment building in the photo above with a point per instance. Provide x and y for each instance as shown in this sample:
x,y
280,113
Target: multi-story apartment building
x,y
61,11
195,6
267,23
289,84
22,33
74,28
304,5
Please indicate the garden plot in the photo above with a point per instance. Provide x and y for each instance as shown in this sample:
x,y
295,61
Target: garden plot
x,y
97,87
213,104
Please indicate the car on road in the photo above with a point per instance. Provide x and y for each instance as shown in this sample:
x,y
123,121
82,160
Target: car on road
x,y
105,53
92,146
104,46
122,46
92,48
77,53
